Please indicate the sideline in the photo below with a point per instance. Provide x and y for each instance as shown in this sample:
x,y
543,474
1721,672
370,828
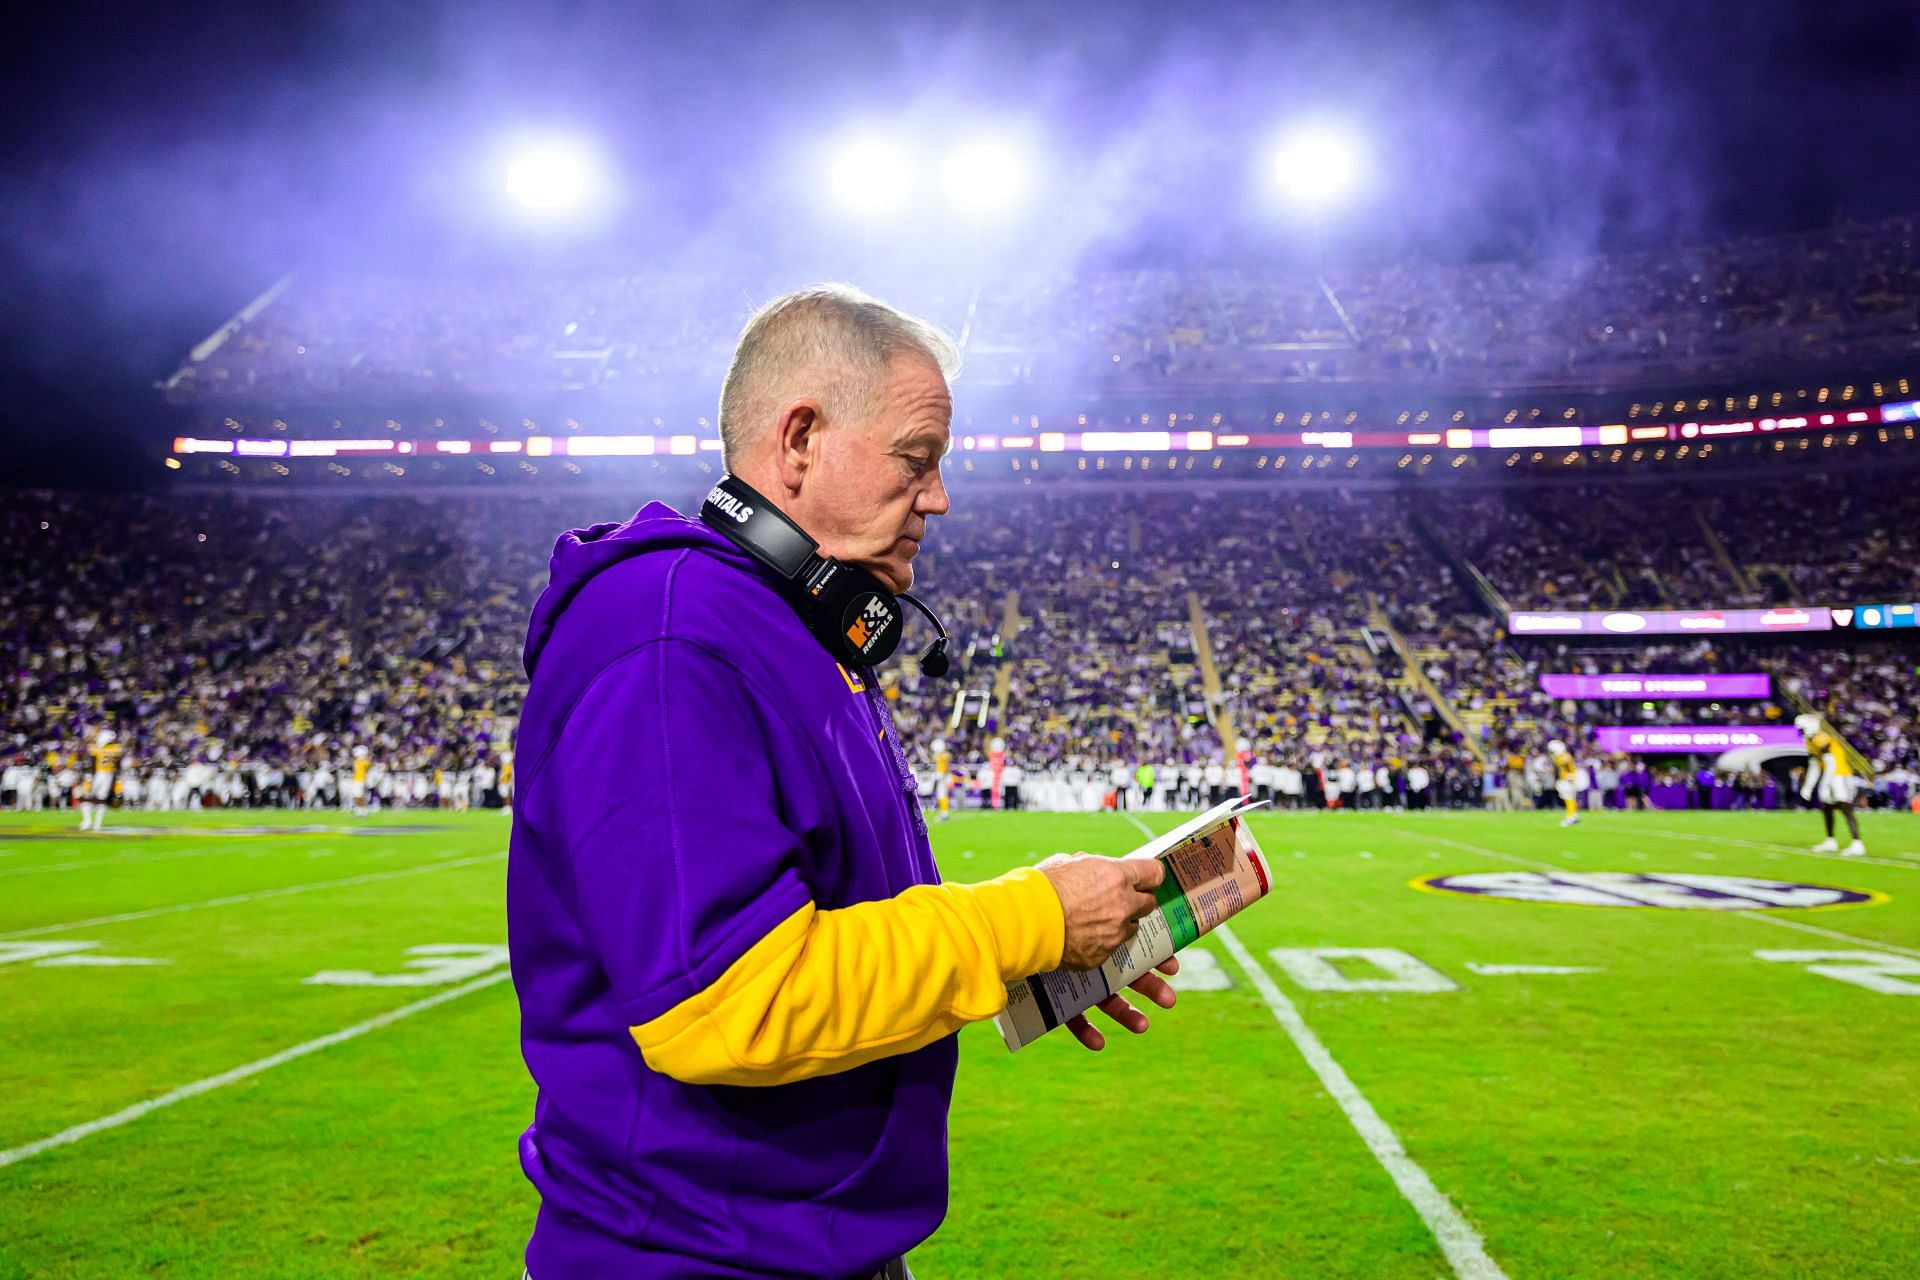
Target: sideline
x,y
229,900
128,1115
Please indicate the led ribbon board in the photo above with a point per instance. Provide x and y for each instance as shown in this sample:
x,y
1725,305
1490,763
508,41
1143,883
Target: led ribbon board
x,y
1667,622
1645,739
1621,685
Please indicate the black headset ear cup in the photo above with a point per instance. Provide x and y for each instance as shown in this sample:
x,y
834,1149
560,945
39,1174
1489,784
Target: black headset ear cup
x,y
854,615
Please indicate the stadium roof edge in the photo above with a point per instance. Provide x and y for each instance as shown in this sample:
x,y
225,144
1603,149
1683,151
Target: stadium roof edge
x,y
234,323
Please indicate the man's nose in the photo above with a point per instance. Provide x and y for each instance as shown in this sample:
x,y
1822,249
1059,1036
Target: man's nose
x,y
933,499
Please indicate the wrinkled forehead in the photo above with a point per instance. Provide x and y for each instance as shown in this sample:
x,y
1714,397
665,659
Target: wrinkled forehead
x,y
917,403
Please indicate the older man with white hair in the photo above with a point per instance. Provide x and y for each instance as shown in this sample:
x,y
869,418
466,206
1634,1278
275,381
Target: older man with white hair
x,y
740,976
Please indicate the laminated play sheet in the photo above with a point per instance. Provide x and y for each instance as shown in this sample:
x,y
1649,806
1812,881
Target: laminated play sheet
x,y
1214,871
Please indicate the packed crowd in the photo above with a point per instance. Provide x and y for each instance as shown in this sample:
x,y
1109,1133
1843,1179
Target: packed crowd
x,y
1850,538
1843,297
328,651
1806,538
242,649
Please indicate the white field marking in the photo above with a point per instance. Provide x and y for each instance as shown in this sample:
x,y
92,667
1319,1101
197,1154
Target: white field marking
x,y
1465,1251
1313,969
1762,916
125,860
1829,933
141,859
230,899
1502,970
1884,974
18,952
1784,848
435,965
85,960
1430,838
50,955
127,1115
1200,970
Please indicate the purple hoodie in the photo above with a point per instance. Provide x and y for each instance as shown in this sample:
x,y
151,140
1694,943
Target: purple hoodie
x,y
692,768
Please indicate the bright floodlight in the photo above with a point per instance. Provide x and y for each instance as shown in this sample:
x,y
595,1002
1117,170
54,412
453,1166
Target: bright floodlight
x,y
1316,168
554,177
987,177
871,177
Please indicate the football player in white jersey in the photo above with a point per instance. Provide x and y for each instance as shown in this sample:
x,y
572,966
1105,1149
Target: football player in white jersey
x,y
1566,780
1829,781
99,792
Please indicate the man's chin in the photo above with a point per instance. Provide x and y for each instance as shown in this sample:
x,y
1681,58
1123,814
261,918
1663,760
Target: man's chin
x,y
895,575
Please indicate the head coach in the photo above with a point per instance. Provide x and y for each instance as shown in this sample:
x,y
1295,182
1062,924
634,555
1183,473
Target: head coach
x,y
739,973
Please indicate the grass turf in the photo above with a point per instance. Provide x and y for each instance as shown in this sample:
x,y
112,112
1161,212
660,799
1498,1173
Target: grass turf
x,y
1689,1109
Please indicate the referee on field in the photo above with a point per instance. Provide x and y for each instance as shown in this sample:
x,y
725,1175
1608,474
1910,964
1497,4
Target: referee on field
x,y
739,975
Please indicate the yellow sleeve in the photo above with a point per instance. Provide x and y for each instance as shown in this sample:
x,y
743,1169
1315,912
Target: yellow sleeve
x,y
826,991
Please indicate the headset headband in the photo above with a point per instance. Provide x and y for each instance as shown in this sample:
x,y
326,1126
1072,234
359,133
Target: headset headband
x,y
736,508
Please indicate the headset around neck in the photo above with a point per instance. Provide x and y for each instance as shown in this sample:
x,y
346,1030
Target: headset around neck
x,y
851,612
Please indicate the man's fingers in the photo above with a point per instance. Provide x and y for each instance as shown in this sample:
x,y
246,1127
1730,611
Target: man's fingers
x,y
1086,1033
1155,988
1144,873
1169,966
1116,1007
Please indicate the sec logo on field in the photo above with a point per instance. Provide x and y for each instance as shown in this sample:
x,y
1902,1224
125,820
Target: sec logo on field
x,y
1681,891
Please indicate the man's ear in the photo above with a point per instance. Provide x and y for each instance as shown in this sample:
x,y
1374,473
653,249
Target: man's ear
x,y
796,440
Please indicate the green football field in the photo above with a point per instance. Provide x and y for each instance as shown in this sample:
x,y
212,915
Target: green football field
x,y
1368,1074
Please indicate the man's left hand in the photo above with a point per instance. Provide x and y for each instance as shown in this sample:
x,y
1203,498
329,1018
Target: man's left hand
x,y
1117,1007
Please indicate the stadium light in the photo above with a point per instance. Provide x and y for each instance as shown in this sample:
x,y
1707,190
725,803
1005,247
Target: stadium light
x,y
552,179
871,177
987,177
1316,167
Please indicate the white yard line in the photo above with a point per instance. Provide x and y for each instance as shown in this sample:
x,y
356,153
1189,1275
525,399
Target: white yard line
x,y
231,899
1764,917
129,860
1465,1250
1429,838
1768,845
129,1114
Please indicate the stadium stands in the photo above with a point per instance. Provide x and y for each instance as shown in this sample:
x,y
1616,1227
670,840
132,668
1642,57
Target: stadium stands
x,y
242,646
1846,298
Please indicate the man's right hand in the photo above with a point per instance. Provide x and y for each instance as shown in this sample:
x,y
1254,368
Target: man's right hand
x,y
1104,899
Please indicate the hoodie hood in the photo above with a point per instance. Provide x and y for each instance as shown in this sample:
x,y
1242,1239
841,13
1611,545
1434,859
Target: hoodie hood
x,y
581,554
